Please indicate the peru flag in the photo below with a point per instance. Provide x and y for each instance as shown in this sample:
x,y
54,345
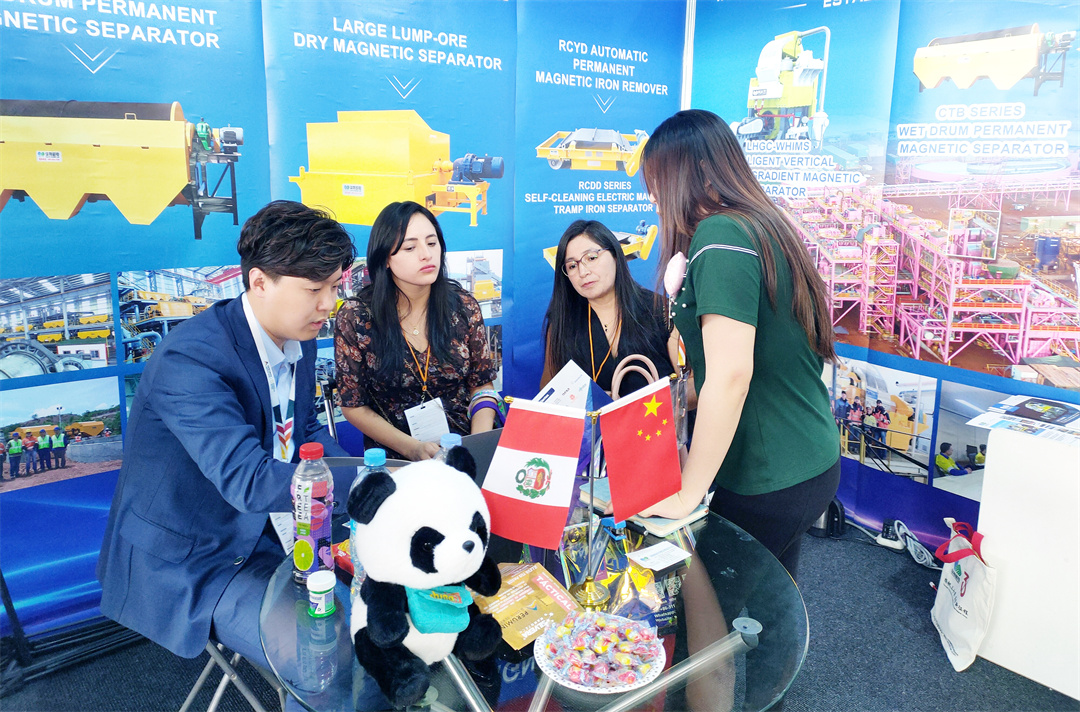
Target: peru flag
x,y
530,484
641,449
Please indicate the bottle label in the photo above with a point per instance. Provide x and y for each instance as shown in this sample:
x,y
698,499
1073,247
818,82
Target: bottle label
x,y
313,508
302,509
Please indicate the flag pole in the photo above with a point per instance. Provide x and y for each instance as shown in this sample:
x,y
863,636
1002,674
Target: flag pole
x,y
591,595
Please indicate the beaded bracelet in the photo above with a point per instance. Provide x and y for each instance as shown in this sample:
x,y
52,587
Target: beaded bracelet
x,y
486,393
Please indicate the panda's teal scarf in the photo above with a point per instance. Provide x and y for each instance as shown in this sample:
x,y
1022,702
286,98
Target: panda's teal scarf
x,y
443,609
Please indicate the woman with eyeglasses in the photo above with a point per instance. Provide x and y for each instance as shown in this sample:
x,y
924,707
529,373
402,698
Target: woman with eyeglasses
x,y
598,314
755,317
410,338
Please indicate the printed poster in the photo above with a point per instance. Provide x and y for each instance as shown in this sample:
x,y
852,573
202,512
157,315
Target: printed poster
x,y
590,90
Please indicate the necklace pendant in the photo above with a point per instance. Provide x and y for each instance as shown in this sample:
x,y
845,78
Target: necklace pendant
x,y
416,331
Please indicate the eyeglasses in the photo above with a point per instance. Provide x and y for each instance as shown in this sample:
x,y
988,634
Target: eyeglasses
x,y
588,258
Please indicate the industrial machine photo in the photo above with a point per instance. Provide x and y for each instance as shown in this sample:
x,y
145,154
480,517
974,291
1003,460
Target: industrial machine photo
x,y
1002,56
635,245
54,324
143,157
786,99
594,150
368,159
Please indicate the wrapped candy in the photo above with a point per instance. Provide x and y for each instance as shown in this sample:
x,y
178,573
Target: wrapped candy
x,y
598,650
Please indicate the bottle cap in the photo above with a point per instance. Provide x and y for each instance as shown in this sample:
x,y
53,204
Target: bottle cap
x,y
374,457
321,581
449,440
311,451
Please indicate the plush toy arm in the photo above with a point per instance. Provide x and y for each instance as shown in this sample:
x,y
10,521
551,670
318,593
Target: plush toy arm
x,y
487,580
386,604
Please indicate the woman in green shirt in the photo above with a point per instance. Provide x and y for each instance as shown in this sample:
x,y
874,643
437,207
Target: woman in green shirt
x,y
755,319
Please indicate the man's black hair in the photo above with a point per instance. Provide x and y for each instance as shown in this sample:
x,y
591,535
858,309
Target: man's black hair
x,y
289,239
945,447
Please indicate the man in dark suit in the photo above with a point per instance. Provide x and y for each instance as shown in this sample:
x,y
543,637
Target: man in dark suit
x,y
189,547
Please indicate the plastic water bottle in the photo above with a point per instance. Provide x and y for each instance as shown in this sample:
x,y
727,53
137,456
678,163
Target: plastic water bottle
x,y
446,443
374,461
313,506
316,643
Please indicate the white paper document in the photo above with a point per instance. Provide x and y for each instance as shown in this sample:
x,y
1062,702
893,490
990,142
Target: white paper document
x,y
569,387
659,556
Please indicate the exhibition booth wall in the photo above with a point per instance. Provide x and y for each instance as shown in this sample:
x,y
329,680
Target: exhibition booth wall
x,y
926,152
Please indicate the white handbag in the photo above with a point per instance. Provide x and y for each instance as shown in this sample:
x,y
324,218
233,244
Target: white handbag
x,y
965,595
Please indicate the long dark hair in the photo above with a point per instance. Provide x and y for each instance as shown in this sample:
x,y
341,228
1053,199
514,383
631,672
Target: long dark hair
x,y
568,313
694,167
445,300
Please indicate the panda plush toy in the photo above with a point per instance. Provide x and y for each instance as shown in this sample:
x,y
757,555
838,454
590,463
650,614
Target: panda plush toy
x,y
422,538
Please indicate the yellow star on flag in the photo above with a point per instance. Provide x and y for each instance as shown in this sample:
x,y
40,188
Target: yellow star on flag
x,y
648,437
651,406
658,433
640,433
663,422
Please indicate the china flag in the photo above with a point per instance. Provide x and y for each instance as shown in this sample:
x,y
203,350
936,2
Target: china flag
x,y
530,483
641,449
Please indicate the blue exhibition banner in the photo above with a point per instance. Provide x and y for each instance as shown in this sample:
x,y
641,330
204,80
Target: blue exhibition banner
x,y
590,89
134,145
376,102
127,85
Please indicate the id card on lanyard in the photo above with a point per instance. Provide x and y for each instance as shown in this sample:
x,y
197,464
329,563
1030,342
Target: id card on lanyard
x,y
427,421
284,446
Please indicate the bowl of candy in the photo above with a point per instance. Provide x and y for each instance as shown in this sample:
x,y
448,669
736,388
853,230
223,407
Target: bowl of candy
x,y
600,653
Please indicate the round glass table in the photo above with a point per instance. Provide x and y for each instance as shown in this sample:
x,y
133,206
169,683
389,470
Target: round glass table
x,y
739,640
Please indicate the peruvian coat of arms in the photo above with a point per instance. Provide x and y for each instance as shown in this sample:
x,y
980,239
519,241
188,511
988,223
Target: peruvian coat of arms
x,y
534,479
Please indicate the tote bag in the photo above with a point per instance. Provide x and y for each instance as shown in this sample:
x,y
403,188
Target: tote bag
x,y
965,595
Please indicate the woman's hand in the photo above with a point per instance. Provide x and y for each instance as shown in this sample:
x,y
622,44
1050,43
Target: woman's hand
x,y
674,507
422,451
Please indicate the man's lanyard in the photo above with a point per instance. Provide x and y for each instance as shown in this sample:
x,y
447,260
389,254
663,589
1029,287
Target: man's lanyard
x,y
283,422
421,372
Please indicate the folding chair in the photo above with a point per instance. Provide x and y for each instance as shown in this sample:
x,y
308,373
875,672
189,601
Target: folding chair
x,y
217,659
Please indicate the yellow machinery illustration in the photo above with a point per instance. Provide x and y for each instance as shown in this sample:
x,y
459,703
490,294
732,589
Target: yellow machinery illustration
x,y
635,245
484,284
594,149
368,159
142,157
1002,56
787,94
34,430
86,428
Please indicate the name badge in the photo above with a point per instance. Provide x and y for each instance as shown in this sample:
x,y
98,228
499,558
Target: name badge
x,y
427,421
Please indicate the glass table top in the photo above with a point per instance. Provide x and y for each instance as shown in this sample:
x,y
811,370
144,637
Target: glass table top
x,y
717,659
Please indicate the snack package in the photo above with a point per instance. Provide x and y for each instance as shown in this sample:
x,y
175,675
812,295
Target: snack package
x,y
634,595
342,557
529,601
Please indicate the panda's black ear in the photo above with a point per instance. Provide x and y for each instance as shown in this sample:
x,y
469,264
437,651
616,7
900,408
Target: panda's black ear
x,y
366,498
461,459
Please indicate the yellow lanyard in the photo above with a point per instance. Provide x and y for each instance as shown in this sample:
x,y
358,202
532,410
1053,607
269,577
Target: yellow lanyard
x,y
592,356
423,373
